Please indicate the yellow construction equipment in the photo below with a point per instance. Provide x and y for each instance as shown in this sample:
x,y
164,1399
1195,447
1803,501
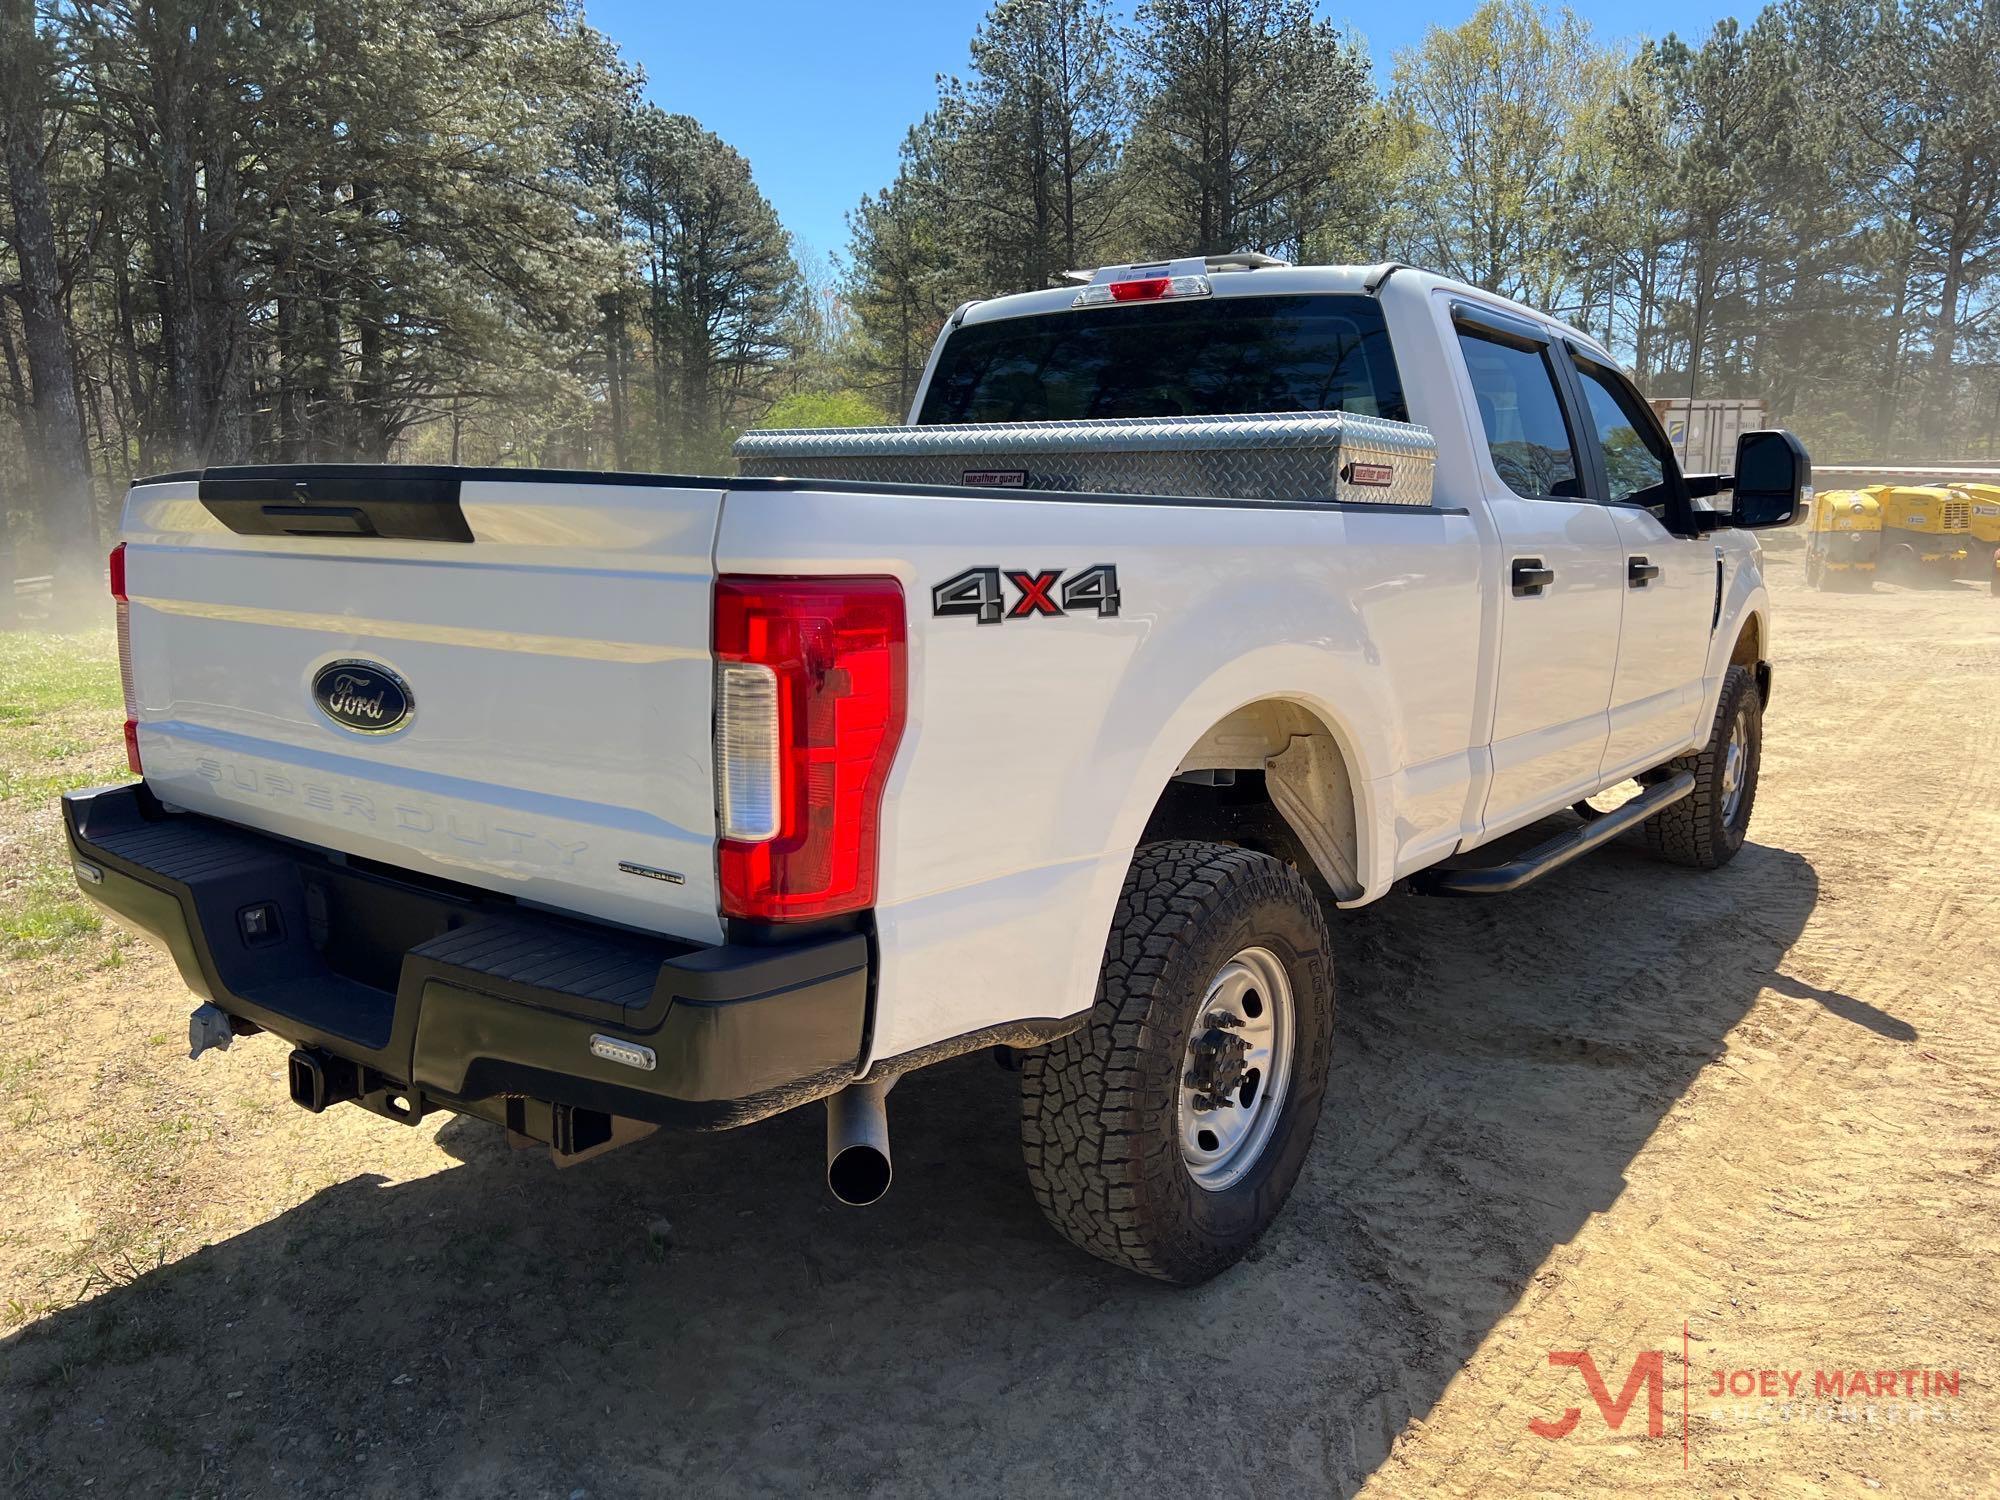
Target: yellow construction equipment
x,y
1843,539
1983,531
1926,529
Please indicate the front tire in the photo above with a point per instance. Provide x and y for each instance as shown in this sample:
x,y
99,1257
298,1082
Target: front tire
x,y
1166,1134
1705,829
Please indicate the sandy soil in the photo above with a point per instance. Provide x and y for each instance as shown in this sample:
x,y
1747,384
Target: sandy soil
x,y
1757,1105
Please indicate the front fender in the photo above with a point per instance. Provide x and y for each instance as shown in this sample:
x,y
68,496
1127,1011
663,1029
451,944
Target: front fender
x,y
1745,601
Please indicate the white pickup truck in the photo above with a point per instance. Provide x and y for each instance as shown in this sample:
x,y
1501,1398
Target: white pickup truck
x,y
1193,599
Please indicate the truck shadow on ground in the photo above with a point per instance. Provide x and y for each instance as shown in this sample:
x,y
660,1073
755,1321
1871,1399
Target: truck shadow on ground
x,y
503,1328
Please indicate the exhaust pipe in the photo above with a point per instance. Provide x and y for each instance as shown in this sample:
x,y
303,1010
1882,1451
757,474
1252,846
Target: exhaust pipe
x,y
858,1170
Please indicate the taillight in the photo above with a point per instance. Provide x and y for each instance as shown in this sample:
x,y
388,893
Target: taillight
x,y
809,705
124,608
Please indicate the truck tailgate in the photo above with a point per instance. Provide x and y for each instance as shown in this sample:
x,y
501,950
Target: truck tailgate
x,y
557,742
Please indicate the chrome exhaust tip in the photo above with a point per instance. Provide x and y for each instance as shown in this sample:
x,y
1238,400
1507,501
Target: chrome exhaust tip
x,y
858,1168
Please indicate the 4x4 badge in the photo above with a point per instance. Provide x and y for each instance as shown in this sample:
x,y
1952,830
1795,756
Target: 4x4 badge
x,y
978,592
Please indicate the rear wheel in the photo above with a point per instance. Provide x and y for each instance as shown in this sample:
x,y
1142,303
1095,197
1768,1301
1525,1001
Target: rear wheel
x,y
1705,829
1166,1135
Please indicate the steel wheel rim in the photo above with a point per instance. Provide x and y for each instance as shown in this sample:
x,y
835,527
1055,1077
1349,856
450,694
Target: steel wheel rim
x,y
1223,1133
1736,764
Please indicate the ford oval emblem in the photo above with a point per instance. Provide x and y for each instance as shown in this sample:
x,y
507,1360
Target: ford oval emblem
x,y
363,696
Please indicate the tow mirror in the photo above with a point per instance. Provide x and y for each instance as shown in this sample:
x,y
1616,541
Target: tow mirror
x,y
1772,472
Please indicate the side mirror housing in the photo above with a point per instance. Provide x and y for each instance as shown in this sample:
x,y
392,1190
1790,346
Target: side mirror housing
x,y
1772,472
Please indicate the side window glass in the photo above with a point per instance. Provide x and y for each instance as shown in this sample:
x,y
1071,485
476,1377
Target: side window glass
x,y
1526,431
1635,462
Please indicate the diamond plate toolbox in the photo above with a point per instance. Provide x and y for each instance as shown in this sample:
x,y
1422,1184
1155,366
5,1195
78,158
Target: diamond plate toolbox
x,y
1313,455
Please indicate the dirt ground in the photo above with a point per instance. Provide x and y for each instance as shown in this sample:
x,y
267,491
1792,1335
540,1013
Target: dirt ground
x,y
1757,1105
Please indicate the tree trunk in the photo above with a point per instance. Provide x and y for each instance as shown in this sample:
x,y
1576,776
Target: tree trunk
x,y
175,216
614,374
1944,328
137,393
291,445
17,380
656,328
374,422
329,437
1888,388
64,492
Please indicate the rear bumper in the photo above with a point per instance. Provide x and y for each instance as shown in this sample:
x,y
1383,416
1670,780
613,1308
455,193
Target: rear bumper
x,y
442,996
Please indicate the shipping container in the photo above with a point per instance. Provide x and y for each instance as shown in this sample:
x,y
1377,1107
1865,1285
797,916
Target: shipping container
x,y
1704,431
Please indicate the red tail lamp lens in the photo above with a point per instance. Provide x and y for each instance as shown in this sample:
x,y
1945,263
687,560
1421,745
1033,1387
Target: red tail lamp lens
x,y
805,779
124,607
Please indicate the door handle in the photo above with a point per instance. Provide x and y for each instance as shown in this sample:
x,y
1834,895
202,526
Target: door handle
x,y
1530,577
1639,572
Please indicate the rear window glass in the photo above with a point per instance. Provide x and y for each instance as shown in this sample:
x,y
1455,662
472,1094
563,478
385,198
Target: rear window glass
x,y
1198,358
1526,431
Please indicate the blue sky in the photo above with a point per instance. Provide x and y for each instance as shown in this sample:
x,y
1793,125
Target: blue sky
x,y
818,95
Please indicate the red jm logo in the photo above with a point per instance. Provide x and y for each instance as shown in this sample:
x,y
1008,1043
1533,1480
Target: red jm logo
x,y
1649,1370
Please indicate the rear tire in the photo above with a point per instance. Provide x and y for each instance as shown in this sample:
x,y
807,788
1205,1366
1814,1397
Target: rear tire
x,y
1705,829
1127,1125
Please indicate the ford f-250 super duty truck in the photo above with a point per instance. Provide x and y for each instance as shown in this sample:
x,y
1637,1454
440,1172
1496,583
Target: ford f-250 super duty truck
x,y
1193,597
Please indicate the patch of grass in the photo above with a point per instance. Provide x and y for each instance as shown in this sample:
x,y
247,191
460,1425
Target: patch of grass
x,y
41,674
147,1148
36,790
44,923
41,910
60,710
61,746
102,1338
25,1106
14,1069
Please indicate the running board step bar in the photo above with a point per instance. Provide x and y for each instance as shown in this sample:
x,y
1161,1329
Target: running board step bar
x,y
1553,854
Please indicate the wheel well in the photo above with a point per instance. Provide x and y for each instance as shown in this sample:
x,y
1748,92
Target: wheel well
x,y
1749,652
1270,777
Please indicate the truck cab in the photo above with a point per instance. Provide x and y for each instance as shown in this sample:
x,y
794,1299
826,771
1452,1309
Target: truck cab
x,y
1601,574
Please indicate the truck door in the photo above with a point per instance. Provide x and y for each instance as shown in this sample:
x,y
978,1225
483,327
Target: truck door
x,y
1669,573
1562,568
